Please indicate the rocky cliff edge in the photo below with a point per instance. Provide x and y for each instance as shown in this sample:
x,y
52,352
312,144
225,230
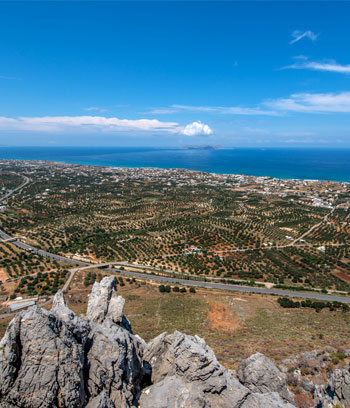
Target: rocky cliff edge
x,y
58,359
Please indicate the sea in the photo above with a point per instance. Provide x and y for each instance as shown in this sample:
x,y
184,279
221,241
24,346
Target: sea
x,y
315,164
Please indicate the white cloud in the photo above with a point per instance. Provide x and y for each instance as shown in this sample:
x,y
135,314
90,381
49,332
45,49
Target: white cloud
x,y
101,123
299,35
96,108
329,66
162,111
59,123
196,128
313,103
224,110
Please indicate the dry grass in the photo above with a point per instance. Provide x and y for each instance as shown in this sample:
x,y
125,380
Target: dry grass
x,y
234,325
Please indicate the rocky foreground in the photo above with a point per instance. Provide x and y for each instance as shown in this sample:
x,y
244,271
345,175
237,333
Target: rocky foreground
x,y
57,359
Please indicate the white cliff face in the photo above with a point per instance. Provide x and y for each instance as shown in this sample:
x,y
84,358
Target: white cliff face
x,y
57,359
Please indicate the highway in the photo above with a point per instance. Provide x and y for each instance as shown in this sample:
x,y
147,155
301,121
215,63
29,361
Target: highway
x,y
234,288
164,279
10,193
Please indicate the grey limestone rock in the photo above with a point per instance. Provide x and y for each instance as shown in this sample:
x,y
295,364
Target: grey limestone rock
x,y
102,400
114,364
259,374
45,363
336,391
57,359
104,303
186,373
267,400
78,326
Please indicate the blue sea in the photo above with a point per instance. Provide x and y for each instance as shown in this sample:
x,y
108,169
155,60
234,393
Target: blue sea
x,y
321,164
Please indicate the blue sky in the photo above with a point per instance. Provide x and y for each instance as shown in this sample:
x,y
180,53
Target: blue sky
x,y
175,73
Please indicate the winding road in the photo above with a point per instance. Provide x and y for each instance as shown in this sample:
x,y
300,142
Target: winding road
x,y
164,279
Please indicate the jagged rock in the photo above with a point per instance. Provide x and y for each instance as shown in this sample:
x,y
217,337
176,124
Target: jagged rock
x,y
57,359
101,401
259,374
336,391
114,364
79,327
308,386
10,355
105,303
159,357
41,363
187,374
173,392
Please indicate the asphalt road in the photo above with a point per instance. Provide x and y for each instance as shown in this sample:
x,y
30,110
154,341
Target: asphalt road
x,y
164,279
235,288
9,194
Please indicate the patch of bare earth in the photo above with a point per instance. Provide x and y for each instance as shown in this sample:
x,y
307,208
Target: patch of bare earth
x,y
221,317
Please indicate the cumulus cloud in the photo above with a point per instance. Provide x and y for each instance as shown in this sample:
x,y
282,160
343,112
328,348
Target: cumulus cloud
x,y
196,128
59,123
299,35
313,103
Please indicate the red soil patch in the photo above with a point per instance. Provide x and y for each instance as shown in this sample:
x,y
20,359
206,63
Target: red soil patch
x,y
220,317
342,275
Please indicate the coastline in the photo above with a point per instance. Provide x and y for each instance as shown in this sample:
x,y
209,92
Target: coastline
x,y
331,165
212,173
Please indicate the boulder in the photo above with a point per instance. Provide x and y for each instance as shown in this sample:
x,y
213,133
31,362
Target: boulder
x,y
259,374
267,400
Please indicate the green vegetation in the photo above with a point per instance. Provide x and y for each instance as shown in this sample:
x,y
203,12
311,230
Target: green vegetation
x,y
17,262
43,284
189,222
317,305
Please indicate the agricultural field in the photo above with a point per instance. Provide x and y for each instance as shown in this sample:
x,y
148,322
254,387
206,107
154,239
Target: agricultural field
x,y
234,227
9,181
15,262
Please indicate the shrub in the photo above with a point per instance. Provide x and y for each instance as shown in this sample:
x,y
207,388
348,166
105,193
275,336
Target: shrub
x,y
192,290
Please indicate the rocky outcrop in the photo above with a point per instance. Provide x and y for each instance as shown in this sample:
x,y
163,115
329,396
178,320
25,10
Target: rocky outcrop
x,y
104,304
41,363
337,391
186,373
58,359
259,374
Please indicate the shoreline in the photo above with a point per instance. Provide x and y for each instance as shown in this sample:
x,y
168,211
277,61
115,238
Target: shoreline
x,y
63,162
280,163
